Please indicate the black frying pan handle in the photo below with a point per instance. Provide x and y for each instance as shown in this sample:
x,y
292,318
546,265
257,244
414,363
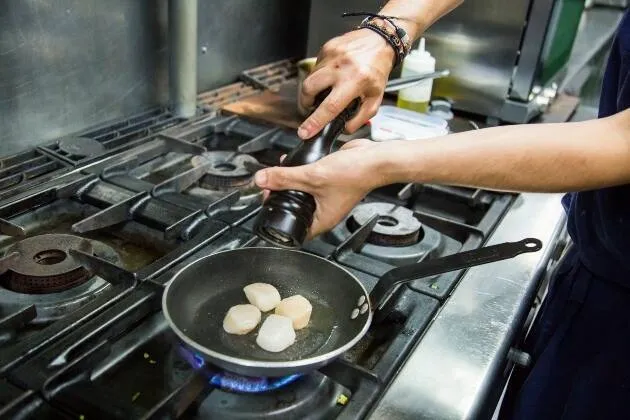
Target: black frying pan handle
x,y
408,273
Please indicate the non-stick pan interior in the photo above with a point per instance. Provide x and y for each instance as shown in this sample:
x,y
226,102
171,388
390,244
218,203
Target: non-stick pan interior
x,y
201,294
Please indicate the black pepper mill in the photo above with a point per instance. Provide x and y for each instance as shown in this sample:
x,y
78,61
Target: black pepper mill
x,y
287,215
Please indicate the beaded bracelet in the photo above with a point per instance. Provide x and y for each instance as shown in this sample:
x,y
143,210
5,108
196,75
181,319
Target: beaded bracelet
x,y
396,38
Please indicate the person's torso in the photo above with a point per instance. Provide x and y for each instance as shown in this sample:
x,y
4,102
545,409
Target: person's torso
x,y
599,220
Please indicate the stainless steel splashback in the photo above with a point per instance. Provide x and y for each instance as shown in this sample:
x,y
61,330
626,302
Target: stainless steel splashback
x,y
241,34
69,64
479,42
492,48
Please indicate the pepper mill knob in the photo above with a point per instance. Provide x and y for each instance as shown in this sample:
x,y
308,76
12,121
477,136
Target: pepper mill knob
x,y
287,215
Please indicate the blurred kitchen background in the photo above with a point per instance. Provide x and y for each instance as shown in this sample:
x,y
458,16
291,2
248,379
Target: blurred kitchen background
x,y
70,64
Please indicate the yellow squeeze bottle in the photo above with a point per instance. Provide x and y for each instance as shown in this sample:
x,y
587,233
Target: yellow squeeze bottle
x,y
418,62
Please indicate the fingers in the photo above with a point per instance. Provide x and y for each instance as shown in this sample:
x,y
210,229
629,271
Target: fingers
x,y
311,234
332,106
315,229
321,225
283,178
368,110
316,82
266,192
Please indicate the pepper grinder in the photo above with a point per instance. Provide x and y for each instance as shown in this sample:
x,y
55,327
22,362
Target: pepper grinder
x,y
287,215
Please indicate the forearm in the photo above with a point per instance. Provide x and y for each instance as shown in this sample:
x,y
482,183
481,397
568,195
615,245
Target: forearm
x,y
416,16
540,158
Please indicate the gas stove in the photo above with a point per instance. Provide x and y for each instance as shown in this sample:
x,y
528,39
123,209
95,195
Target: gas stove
x,y
23,170
85,255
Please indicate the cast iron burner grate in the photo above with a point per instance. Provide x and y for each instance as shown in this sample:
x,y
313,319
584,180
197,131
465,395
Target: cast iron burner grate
x,y
226,170
231,382
41,271
396,226
80,147
43,264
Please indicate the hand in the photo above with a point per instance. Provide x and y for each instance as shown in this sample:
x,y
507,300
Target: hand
x,y
355,65
337,182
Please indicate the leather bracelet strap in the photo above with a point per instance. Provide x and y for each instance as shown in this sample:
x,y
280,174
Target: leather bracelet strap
x,y
396,36
392,40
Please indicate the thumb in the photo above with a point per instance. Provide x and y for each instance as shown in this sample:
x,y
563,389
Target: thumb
x,y
282,178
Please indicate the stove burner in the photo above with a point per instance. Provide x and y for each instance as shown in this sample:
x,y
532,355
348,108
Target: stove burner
x,y
312,395
53,305
80,146
232,382
396,226
225,170
44,265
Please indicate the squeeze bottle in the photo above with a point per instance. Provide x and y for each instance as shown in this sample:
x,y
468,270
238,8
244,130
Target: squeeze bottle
x,y
418,62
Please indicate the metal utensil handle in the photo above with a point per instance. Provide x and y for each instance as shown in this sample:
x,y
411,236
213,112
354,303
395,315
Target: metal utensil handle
x,y
397,276
407,82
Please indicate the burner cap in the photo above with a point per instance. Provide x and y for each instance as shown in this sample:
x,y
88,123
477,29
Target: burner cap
x,y
44,264
225,169
396,226
80,146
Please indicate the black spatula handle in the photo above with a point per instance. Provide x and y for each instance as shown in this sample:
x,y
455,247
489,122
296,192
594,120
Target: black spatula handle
x,y
408,273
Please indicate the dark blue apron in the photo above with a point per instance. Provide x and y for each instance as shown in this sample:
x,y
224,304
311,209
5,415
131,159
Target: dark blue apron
x,y
580,343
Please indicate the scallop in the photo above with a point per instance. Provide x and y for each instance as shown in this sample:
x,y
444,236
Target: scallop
x,y
297,308
262,295
241,319
276,333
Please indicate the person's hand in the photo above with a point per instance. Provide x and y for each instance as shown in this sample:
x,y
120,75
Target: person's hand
x,y
356,65
337,182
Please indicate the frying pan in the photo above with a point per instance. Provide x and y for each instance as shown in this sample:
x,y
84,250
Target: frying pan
x,y
199,295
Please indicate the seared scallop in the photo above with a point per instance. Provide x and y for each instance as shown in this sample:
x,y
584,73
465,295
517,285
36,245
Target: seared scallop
x,y
297,308
241,319
262,295
276,333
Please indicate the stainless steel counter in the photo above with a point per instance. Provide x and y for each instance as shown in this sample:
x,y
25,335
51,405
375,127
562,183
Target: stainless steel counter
x,y
451,373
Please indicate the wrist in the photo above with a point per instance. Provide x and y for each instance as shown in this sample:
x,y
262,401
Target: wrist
x,y
394,36
405,161
389,164
381,45
410,25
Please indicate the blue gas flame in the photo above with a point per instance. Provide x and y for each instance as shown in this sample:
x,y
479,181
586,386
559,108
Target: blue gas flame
x,y
236,383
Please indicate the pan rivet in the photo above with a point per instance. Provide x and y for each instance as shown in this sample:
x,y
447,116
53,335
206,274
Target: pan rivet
x,y
361,301
364,308
354,314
